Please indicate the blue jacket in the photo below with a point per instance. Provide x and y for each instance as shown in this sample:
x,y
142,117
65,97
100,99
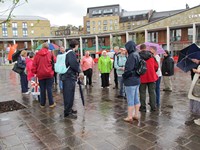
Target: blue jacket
x,y
131,64
120,62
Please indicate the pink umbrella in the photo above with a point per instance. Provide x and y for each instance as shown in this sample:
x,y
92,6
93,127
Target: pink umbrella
x,y
160,50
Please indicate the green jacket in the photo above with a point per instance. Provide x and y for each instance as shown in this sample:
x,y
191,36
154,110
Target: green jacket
x,y
105,64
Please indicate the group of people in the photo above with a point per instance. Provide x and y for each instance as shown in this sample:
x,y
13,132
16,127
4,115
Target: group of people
x,y
133,88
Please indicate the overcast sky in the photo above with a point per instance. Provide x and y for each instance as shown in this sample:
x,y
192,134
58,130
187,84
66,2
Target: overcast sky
x,y
63,12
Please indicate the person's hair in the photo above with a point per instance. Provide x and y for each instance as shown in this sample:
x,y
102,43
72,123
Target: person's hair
x,y
167,52
142,46
116,47
153,47
104,51
73,43
23,53
31,54
45,45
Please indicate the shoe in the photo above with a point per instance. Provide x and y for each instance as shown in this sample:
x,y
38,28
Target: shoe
x,y
142,109
116,87
53,105
26,93
70,116
107,87
153,109
135,118
120,96
168,90
74,111
42,106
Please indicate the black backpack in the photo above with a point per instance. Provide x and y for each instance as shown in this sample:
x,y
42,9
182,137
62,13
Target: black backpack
x,y
142,67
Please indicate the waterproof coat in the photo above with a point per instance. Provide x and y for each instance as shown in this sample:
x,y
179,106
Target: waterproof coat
x,y
152,67
29,63
119,63
105,64
42,64
167,66
131,64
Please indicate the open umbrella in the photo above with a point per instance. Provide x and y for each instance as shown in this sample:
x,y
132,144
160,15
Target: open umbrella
x,y
52,46
186,55
160,50
81,91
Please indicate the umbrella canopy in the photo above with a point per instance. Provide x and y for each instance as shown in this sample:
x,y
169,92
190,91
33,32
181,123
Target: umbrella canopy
x,y
160,50
52,46
186,55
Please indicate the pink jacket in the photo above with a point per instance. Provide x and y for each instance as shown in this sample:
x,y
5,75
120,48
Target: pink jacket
x,y
87,63
29,63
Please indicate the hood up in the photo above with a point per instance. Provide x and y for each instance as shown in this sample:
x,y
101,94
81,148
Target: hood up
x,y
130,47
43,52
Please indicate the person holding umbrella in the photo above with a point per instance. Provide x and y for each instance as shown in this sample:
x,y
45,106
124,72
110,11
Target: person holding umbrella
x,y
69,80
167,71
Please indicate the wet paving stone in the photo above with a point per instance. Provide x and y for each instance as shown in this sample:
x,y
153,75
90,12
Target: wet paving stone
x,y
149,136
84,147
195,138
72,141
10,141
193,146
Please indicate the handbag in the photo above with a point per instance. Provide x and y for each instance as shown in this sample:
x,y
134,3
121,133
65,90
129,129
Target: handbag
x,y
17,69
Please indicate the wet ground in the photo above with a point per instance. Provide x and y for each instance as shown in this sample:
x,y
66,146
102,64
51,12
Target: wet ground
x,y
100,125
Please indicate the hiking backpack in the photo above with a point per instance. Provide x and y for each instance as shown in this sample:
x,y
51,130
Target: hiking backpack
x,y
60,65
142,67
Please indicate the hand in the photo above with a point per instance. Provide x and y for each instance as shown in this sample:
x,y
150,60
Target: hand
x,y
166,72
196,71
196,61
122,68
81,76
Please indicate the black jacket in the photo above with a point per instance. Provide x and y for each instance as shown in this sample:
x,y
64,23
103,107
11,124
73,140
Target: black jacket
x,y
167,66
74,68
131,64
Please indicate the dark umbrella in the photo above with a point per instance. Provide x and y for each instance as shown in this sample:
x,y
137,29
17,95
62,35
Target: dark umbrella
x,y
186,55
81,91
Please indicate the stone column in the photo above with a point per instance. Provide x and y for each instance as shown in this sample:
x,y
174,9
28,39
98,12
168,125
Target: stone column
x,y
111,42
146,35
194,33
65,43
168,38
32,44
81,47
14,42
127,36
49,41
97,45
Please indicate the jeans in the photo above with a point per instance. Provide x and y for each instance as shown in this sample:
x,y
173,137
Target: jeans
x,y
24,82
60,83
158,91
132,95
68,95
152,94
121,82
46,85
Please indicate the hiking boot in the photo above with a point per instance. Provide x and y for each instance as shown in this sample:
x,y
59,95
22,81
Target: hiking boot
x,y
53,105
142,109
70,116
74,111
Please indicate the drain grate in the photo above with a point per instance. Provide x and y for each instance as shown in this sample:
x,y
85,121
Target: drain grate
x,y
11,105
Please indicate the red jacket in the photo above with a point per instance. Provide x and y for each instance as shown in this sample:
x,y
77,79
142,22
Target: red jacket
x,y
150,75
29,63
42,64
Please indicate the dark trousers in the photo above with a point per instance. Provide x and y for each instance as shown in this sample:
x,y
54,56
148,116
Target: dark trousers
x,y
158,91
115,78
55,77
152,94
88,74
46,85
68,95
24,82
104,80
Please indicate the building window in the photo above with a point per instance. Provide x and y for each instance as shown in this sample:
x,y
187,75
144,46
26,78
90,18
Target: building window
x,y
24,25
25,33
116,21
4,29
111,21
105,28
108,11
31,24
105,22
14,29
15,33
88,23
99,23
190,34
153,37
116,27
88,29
175,35
93,28
32,31
99,28
96,12
111,28
93,23
14,25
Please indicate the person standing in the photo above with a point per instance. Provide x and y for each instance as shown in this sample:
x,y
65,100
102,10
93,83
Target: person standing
x,y
105,67
42,67
62,51
148,80
119,65
167,71
87,64
159,73
21,62
69,80
132,82
116,50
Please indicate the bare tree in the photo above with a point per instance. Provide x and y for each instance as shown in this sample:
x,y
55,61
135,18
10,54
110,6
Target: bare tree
x,y
8,11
